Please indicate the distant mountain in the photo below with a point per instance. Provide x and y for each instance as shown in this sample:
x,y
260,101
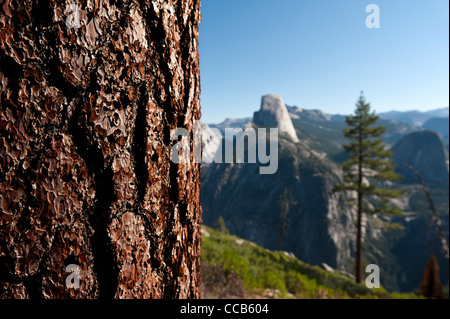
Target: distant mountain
x,y
440,125
231,123
426,152
415,117
323,132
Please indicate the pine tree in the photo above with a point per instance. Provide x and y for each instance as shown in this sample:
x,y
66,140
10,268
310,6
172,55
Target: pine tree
x,y
369,161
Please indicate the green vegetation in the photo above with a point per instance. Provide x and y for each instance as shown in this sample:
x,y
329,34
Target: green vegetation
x,y
369,159
234,267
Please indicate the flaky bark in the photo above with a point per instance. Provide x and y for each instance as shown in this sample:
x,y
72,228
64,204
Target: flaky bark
x,y
87,108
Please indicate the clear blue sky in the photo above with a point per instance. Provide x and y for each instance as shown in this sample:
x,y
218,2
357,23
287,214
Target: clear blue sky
x,y
319,54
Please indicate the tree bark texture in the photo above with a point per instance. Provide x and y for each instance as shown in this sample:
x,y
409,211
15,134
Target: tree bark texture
x,y
90,93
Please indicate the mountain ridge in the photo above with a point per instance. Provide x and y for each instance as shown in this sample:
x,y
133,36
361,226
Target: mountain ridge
x,y
434,113
415,117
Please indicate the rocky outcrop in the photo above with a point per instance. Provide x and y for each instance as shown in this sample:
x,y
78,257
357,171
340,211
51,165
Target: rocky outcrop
x,y
273,113
426,152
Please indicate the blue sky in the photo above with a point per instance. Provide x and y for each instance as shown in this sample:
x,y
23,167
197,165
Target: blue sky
x,y
318,54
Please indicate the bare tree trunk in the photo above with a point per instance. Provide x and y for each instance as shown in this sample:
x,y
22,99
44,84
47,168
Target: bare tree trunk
x,y
359,261
90,92
284,213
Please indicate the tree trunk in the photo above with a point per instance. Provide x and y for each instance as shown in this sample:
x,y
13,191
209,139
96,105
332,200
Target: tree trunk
x,y
284,213
90,94
359,267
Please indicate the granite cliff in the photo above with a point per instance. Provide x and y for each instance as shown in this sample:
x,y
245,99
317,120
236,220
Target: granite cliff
x,y
319,226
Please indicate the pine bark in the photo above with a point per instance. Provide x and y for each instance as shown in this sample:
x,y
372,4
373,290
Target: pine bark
x,y
87,111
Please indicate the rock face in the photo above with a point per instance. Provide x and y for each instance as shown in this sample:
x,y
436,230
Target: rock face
x,y
319,226
273,113
90,92
426,152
